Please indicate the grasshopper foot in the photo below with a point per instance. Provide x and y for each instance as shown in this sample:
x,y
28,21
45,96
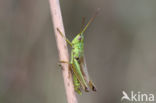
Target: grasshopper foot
x,y
86,89
68,67
60,63
92,86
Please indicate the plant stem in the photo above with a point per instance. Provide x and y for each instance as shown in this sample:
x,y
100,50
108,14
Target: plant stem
x,y
62,50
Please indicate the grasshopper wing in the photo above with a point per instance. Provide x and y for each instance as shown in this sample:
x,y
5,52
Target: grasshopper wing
x,y
76,68
84,71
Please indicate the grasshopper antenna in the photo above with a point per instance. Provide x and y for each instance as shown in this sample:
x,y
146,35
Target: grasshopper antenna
x,y
82,23
91,20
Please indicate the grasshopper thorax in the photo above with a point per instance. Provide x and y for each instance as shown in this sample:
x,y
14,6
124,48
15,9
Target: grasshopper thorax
x,y
78,44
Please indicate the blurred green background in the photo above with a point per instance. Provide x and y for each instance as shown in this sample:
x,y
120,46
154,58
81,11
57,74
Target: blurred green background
x,y
120,48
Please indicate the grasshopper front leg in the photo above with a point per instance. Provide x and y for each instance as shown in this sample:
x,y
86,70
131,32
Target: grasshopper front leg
x,y
64,37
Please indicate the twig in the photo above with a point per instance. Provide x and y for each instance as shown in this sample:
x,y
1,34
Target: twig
x,y
62,50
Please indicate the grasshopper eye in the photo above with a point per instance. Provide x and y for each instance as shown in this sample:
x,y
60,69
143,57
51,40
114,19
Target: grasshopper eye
x,y
80,38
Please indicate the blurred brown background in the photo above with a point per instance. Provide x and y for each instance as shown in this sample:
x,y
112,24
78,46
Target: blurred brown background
x,y
120,48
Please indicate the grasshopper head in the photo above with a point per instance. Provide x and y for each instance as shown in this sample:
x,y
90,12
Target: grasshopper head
x,y
81,37
78,39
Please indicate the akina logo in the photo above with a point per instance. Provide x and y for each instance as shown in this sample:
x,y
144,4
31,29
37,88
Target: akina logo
x,y
138,97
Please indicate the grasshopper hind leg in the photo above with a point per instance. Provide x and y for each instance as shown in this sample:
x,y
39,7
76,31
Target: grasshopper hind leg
x,y
92,86
77,85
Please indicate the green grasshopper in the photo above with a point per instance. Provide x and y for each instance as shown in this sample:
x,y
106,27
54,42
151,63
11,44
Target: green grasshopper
x,y
77,63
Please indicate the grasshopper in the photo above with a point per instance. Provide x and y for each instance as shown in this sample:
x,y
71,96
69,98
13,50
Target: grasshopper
x,y
77,63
